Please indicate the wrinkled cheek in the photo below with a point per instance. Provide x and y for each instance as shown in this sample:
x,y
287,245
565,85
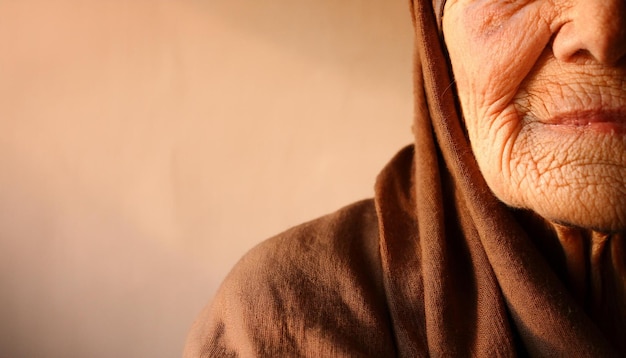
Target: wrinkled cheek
x,y
485,89
501,149
491,72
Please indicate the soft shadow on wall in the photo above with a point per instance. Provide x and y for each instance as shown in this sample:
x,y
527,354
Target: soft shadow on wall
x,y
146,145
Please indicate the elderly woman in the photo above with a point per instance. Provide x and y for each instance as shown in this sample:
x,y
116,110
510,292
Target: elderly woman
x,y
498,233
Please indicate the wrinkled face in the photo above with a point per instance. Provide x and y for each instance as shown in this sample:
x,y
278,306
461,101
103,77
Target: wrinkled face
x,y
542,86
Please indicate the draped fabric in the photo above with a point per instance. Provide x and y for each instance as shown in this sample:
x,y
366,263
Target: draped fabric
x,y
434,265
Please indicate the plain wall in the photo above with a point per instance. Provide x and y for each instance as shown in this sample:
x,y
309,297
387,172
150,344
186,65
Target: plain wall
x,y
146,145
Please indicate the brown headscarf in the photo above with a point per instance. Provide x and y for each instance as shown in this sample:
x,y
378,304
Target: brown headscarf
x,y
435,265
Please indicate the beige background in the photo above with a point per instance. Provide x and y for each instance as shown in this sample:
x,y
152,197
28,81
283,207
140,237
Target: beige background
x,y
146,145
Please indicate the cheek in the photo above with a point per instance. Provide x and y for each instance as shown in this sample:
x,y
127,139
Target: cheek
x,y
489,59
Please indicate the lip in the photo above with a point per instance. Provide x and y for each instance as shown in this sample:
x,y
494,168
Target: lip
x,y
603,121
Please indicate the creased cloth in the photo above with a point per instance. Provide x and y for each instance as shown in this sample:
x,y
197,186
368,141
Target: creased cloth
x,y
434,265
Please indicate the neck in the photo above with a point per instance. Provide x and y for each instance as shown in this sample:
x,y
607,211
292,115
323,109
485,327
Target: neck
x,y
592,265
589,256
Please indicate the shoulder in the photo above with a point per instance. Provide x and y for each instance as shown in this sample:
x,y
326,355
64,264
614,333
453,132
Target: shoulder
x,y
314,289
345,236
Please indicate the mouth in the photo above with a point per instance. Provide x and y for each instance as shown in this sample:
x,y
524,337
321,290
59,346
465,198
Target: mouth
x,y
601,120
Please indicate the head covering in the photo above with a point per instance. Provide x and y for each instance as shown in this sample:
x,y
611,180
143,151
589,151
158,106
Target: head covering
x,y
482,285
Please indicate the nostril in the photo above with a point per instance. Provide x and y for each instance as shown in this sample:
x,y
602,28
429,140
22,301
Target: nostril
x,y
582,56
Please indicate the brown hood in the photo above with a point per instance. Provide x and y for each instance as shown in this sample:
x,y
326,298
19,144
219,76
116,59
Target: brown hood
x,y
484,286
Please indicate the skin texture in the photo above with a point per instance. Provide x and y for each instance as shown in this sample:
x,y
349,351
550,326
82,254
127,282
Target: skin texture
x,y
542,86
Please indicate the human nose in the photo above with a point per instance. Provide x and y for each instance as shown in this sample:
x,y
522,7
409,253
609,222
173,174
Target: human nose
x,y
595,28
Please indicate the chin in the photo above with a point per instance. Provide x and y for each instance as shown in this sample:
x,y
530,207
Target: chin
x,y
607,224
602,214
597,203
